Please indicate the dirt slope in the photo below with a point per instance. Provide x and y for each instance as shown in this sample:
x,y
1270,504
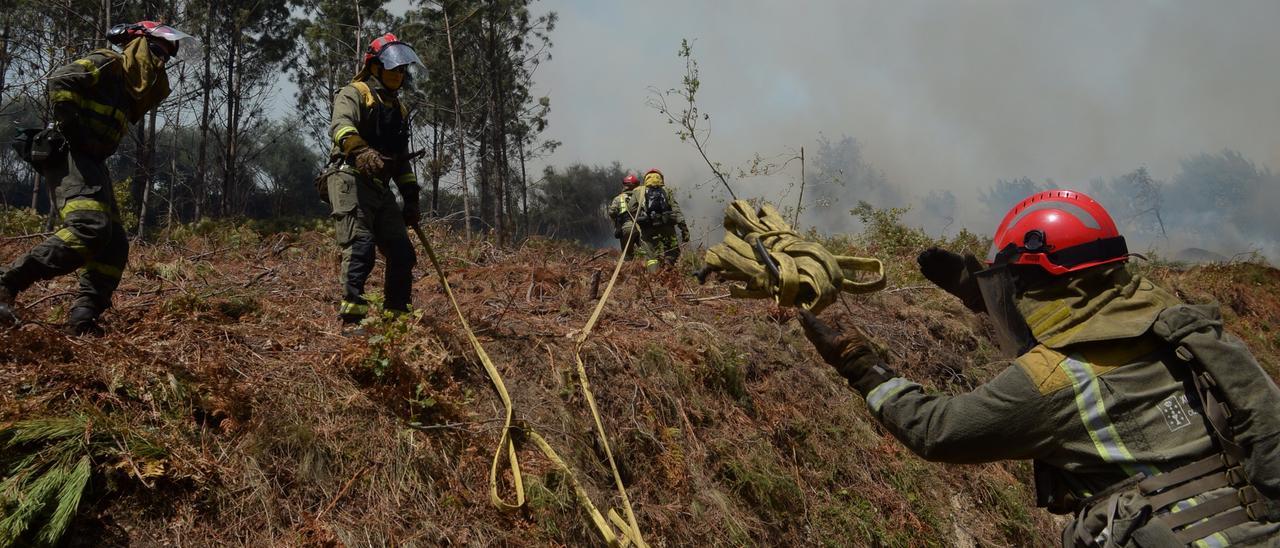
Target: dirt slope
x,y
223,350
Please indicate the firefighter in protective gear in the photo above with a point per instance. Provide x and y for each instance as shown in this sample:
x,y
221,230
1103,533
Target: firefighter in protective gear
x,y
623,218
657,218
95,99
1104,394
370,131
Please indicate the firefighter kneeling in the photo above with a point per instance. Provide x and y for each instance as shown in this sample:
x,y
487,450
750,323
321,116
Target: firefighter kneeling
x,y
1142,416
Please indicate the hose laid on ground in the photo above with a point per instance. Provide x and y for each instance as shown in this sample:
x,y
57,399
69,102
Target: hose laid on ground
x,y
627,532
761,249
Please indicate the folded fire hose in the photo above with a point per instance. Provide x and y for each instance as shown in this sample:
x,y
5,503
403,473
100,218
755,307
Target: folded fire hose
x,y
761,249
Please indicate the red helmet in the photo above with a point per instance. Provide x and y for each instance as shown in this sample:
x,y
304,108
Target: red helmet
x,y
630,180
1061,231
390,52
159,33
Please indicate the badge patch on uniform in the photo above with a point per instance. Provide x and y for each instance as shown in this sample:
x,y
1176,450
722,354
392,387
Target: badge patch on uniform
x,y
1176,413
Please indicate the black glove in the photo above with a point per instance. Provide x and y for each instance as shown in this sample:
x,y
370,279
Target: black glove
x,y
851,354
412,207
954,274
412,213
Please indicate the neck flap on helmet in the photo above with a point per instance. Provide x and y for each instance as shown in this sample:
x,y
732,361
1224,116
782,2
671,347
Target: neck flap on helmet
x,y
1000,294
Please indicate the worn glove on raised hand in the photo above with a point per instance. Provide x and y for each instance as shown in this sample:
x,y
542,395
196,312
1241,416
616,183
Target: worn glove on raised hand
x,y
370,162
954,274
850,353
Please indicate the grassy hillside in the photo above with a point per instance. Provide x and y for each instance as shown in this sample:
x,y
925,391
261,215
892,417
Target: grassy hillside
x,y
223,407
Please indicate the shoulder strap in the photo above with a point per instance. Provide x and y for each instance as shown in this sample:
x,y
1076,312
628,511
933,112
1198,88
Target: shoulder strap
x,y
366,94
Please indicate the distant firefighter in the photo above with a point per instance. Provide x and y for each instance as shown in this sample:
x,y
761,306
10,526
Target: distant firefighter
x,y
95,99
657,217
1144,419
622,217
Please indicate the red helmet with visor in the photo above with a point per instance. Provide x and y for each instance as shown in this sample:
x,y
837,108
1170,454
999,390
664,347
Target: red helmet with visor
x,y
1061,231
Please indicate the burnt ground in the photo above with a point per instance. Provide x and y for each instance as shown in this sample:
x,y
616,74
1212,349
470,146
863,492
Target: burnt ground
x,y
224,349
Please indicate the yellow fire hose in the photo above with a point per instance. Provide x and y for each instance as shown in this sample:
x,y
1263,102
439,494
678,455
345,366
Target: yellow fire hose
x,y
627,531
761,249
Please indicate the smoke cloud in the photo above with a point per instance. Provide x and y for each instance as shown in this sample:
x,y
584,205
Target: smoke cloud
x,y
940,96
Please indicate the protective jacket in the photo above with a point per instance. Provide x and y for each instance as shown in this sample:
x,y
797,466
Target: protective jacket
x,y
92,102
656,233
370,112
623,221
366,217
95,99
1100,400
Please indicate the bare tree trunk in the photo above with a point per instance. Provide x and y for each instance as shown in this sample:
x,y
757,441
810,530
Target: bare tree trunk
x,y
524,190
496,178
35,189
233,115
206,87
437,165
147,170
800,202
459,129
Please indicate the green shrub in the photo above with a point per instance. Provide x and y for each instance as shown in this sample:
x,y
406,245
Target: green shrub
x,y
47,464
20,220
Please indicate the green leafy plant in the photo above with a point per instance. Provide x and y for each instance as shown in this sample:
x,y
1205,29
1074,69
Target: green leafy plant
x,y
47,465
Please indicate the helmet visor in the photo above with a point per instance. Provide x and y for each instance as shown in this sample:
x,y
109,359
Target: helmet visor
x,y
168,33
397,54
1000,295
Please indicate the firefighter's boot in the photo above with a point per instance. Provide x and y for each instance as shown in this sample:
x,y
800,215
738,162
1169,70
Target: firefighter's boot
x,y
8,318
83,321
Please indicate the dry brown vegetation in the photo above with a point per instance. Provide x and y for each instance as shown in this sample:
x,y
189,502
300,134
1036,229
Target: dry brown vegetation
x,y
223,350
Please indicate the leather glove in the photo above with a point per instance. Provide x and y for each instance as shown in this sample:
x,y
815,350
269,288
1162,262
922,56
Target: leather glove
x,y
684,234
954,274
370,162
850,353
412,204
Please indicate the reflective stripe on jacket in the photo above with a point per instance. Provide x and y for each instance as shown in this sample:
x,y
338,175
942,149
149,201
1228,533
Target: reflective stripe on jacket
x,y
92,104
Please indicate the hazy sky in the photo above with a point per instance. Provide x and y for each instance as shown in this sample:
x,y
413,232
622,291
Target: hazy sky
x,y
942,95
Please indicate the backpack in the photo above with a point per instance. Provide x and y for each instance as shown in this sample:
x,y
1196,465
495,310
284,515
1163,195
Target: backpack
x,y
656,208
1242,408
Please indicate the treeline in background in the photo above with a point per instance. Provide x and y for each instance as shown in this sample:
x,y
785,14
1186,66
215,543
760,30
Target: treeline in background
x,y
230,142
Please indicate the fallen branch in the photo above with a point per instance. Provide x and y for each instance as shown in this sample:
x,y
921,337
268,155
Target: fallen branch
x,y
27,236
693,299
206,254
912,288
47,297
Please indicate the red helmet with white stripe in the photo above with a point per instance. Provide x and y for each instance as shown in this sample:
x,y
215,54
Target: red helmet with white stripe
x,y
1061,231
631,181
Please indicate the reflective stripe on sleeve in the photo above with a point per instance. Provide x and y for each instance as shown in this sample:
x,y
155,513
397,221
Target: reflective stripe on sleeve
x,y
91,68
886,390
84,204
89,104
343,132
1093,413
406,178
